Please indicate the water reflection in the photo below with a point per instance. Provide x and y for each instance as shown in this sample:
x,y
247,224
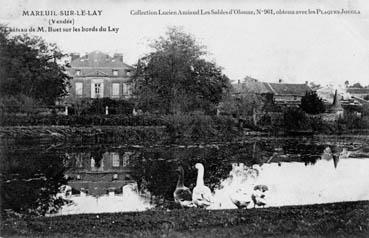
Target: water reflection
x,y
101,181
294,183
30,181
102,178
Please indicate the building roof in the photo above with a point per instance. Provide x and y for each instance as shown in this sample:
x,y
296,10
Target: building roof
x,y
253,85
358,90
99,64
289,89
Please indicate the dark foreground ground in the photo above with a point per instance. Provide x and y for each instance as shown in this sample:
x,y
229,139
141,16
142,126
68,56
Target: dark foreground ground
x,y
349,219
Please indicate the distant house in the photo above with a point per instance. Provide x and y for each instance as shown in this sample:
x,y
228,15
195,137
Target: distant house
x,y
285,94
358,92
328,92
98,75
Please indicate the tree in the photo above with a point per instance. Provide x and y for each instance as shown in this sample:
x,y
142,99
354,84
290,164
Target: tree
x,y
356,85
347,83
243,105
175,77
29,66
295,119
312,104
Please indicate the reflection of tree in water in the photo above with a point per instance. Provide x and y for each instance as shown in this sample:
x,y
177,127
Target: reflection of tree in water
x,y
154,170
31,181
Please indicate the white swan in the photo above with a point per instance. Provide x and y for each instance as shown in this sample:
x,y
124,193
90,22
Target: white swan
x,y
259,195
182,194
201,194
240,197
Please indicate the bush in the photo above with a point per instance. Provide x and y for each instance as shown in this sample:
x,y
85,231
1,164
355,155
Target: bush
x,y
19,104
87,106
296,119
312,104
193,127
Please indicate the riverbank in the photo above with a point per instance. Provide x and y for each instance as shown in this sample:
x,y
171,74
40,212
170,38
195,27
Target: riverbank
x,y
149,129
346,219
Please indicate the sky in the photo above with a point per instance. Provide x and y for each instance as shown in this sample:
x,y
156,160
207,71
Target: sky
x,y
325,49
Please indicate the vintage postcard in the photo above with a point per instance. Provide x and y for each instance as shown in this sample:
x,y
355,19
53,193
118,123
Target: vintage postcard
x,y
184,118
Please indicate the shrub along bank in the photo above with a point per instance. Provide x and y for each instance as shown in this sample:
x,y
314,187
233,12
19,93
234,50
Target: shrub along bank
x,y
122,129
160,129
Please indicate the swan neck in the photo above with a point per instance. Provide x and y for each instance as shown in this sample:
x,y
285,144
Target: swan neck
x,y
180,179
200,177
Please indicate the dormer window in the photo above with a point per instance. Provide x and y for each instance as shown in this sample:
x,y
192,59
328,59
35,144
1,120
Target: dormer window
x,y
115,72
78,72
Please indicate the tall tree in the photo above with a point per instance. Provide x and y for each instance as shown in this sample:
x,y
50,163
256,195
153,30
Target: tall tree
x,y
176,77
312,104
29,66
356,85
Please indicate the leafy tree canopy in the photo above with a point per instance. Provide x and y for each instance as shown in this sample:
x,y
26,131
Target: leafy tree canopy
x,y
356,85
175,77
312,104
29,66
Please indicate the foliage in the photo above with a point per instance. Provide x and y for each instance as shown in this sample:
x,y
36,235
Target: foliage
x,y
87,106
18,103
245,104
296,119
351,120
365,109
77,120
366,97
32,182
30,66
356,85
197,127
312,104
176,78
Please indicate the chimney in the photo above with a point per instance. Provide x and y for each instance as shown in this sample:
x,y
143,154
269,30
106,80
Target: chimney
x,y
280,80
307,82
74,56
118,57
239,81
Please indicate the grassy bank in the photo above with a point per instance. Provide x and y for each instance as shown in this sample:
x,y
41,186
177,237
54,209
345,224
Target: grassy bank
x,y
335,220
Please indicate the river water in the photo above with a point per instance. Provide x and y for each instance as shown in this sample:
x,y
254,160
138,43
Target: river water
x,y
60,179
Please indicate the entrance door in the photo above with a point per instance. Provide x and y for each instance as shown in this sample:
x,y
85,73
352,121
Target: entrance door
x,y
97,89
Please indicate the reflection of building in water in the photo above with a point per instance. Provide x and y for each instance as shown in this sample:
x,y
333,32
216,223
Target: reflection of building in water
x,y
98,173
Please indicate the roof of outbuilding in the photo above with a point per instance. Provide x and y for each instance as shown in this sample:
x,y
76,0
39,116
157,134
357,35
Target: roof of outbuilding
x,y
358,90
289,89
253,85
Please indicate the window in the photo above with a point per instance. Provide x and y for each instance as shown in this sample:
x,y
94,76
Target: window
x,y
78,72
97,89
79,89
126,89
115,88
115,72
115,159
126,159
128,72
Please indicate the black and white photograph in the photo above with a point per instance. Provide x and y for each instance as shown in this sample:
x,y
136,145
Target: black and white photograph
x,y
158,118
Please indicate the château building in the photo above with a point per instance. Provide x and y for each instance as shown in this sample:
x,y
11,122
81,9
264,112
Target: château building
x,y
98,75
